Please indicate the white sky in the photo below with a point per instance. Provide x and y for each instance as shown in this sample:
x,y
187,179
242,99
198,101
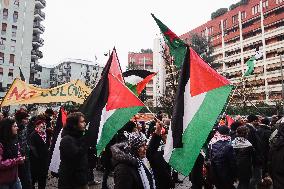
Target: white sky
x,y
88,28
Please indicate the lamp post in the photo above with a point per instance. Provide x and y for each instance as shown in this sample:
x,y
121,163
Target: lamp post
x,y
279,52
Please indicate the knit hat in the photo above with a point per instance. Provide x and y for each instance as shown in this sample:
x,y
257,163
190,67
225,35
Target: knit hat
x,y
223,130
135,141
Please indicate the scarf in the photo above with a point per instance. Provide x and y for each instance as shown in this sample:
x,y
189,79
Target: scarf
x,y
146,174
41,133
241,142
218,137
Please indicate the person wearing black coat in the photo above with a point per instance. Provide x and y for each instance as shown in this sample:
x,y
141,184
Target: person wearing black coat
x,y
244,156
131,167
223,160
73,170
276,157
161,169
39,155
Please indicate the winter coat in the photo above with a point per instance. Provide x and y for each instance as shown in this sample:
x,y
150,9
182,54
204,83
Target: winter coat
x,y
244,157
126,175
23,140
223,161
276,158
73,168
38,156
161,169
255,140
9,165
264,133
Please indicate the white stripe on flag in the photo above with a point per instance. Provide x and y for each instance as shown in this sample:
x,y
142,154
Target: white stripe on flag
x,y
133,79
55,160
104,117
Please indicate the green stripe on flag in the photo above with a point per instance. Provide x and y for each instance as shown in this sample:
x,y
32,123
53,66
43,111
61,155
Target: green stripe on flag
x,y
117,120
133,88
183,159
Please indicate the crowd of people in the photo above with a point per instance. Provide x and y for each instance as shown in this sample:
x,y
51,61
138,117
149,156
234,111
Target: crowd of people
x,y
248,154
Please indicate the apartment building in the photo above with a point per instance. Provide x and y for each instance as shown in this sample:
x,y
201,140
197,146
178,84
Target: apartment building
x,y
73,69
143,61
18,39
236,34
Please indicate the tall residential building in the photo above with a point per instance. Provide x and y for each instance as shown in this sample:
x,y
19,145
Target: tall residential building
x,y
16,39
237,33
143,61
73,69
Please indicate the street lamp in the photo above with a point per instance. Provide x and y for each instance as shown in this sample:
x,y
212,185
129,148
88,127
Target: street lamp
x,y
280,52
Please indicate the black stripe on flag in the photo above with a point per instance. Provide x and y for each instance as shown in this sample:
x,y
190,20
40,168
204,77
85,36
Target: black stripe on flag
x,y
140,73
178,111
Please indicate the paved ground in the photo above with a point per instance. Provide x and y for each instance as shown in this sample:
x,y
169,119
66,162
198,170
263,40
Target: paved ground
x,y
52,182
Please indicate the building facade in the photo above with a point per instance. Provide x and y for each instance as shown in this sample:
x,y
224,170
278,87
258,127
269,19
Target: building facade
x,y
143,61
236,35
73,69
16,44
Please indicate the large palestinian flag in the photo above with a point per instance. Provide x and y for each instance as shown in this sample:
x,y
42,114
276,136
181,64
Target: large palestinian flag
x,y
201,96
110,105
136,80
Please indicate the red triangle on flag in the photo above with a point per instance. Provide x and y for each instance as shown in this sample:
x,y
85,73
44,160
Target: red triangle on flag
x,y
115,69
119,95
202,77
230,121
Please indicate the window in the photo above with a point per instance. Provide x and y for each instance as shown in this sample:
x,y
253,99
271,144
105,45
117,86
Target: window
x,y
255,9
203,33
10,74
1,57
17,3
2,43
1,71
279,1
4,28
225,23
12,59
15,16
210,30
265,4
13,45
5,14
14,31
243,15
235,19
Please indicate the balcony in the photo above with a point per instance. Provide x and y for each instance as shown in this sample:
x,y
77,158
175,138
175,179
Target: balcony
x,y
38,41
36,54
39,15
38,28
40,3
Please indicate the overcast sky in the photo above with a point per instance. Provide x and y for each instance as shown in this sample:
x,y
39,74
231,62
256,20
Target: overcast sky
x,y
86,29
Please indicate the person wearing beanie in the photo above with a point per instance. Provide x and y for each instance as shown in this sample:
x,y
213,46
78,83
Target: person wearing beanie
x,y
223,160
39,154
22,119
131,167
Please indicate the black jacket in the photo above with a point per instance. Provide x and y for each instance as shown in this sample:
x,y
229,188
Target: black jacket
x,y
38,156
126,175
276,160
161,169
73,168
223,161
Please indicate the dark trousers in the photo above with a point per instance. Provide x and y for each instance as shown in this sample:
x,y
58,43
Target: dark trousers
x,y
196,176
25,174
105,177
243,184
256,177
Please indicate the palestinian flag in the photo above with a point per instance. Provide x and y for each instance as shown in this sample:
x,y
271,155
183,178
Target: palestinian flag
x,y
176,45
56,139
251,62
201,96
110,105
230,120
136,80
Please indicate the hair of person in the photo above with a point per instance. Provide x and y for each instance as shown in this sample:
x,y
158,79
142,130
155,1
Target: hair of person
x,y
38,122
20,115
129,126
242,131
6,130
49,111
265,121
252,118
73,119
223,130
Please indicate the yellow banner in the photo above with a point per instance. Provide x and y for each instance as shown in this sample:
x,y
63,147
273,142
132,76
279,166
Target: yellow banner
x,y
22,93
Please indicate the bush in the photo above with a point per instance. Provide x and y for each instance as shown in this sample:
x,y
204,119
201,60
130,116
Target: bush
x,y
219,12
